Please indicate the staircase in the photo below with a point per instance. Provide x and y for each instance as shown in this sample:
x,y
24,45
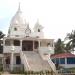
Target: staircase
x,y
33,61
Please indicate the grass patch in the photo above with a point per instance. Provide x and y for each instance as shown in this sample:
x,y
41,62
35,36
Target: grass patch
x,y
46,72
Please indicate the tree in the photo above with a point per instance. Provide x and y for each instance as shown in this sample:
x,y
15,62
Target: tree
x,y
1,41
70,46
1,35
59,47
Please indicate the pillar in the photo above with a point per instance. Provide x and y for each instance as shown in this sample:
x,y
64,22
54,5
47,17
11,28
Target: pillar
x,y
33,45
12,57
39,43
12,44
65,62
4,63
21,45
3,42
11,62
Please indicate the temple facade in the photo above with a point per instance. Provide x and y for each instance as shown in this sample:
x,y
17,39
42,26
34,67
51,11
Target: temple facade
x,y
23,47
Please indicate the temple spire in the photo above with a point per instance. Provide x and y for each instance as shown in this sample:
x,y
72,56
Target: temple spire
x,y
37,22
19,7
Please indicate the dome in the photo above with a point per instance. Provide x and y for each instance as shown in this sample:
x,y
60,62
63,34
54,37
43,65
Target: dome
x,y
18,17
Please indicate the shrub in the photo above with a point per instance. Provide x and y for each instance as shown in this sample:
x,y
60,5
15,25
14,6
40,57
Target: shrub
x,y
1,67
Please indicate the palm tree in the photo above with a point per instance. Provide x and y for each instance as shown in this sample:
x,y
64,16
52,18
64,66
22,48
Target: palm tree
x,y
70,46
59,47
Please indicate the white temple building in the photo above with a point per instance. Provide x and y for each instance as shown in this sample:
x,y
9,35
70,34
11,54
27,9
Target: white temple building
x,y
26,48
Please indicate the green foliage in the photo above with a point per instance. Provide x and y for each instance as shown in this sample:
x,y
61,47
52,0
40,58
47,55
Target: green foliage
x,y
1,41
1,67
71,41
17,70
38,73
46,72
1,34
59,47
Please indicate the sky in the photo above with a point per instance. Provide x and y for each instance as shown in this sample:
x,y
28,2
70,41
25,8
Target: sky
x,y
56,16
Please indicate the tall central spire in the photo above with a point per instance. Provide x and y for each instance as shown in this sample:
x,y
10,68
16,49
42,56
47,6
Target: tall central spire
x,y
18,17
19,8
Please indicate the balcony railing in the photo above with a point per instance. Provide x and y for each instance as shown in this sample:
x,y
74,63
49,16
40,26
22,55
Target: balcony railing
x,y
48,50
16,67
7,49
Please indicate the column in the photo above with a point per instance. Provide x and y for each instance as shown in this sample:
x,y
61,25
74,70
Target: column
x,y
11,62
4,42
12,43
12,57
39,43
66,62
21,45
4,63
33,45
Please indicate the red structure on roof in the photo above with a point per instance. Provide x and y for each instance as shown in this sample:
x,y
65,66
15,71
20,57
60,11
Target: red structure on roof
x,y
62,55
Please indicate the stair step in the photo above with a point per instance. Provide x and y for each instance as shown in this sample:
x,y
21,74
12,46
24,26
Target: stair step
x,y
35,61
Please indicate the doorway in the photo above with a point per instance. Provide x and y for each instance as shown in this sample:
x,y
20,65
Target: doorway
x,y
18,60
27,45
7,60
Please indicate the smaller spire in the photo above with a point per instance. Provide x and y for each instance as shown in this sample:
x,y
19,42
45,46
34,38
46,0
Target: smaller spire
x,y
38,25
37,21
28,25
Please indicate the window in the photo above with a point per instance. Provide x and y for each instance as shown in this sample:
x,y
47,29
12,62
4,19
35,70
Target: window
x,y
16,35
48,44
38,30
27,36
16,43
15,29
71,60
36,44
57,60
37,36
62,60
7,60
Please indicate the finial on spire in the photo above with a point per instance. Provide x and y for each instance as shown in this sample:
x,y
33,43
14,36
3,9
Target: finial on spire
x,y
27,25
19,8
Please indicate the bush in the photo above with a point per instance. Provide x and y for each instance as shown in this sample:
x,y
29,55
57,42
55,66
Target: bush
x,y
1,67
17,70
37,73
46,72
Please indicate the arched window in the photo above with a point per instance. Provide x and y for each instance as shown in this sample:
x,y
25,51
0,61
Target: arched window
x,y
38,30
15,29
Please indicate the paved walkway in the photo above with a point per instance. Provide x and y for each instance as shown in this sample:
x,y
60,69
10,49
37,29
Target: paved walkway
x,y
7,73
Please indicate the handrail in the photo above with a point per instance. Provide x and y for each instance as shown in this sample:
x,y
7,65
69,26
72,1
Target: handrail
x,y
52,65
26,62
